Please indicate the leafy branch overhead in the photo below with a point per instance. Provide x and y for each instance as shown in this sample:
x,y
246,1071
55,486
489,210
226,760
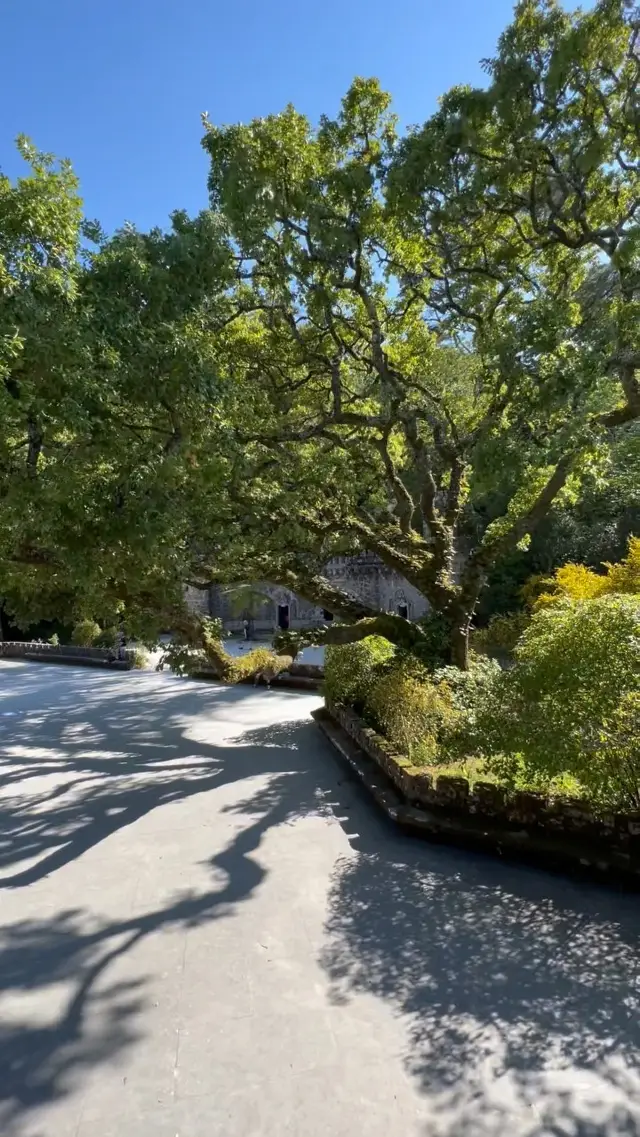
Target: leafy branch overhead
x,y
408,345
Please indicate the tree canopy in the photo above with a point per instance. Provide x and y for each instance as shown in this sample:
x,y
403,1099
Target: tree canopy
x,y
413,345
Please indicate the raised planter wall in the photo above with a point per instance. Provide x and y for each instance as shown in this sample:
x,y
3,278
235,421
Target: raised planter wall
x,y
301,676
19,649
536,814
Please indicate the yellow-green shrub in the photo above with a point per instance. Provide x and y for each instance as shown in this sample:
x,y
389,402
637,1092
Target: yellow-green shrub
x,y
85,633
412,712
350,670
625,576
577,582
245,666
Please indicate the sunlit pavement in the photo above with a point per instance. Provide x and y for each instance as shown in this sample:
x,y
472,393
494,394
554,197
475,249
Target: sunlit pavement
x,y
207,930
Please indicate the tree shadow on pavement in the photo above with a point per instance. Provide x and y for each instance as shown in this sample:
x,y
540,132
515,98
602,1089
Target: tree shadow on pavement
x,y
98,760
522,989
112,758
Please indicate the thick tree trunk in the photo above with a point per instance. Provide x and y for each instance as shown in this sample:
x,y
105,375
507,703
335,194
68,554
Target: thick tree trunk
x,y
460,645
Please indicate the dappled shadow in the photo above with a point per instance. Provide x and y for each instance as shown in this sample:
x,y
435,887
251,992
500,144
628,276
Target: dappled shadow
x,y
522,990
105,755
112,754
519,991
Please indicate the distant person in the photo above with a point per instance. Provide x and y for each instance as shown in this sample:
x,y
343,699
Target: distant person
x,y
245,629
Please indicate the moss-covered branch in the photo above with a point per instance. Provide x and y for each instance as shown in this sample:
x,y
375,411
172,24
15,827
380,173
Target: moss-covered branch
x,y
399,631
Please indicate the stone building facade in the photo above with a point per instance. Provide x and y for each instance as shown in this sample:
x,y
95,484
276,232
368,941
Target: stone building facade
x,y
364,577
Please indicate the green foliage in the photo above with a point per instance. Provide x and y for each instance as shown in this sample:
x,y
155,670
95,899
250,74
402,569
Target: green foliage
x,y
182,658
85,633
189,649
576,664
469,688
252,662
366,339
54,640
200,648
260,659
501,634
351,670
140,658
108,638
471,693
434,648
577,582
411,711
614,753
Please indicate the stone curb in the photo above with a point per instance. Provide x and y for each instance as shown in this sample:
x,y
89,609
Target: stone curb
x,y
35,652
558,852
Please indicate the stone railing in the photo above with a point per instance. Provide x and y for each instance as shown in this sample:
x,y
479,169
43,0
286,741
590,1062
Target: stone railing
x,y
29,649
485,803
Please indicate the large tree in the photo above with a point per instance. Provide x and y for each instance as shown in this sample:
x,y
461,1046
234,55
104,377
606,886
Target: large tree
x,y
108,389
421,333
368,343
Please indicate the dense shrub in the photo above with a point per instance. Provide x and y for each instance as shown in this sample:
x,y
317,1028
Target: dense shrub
x,y
469,688
614,750
54,640
182,659
566,706
411,711
470,693
251,663
108,638
85,633
501,634
140,658
577,582
350,670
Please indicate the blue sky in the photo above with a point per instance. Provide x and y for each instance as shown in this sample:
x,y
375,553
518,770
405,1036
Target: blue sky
x,y
118,85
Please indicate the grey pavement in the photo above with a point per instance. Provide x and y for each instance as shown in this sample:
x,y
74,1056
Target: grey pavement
x,y
205,930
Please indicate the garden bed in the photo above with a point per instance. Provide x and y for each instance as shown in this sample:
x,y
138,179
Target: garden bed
x,y
553,831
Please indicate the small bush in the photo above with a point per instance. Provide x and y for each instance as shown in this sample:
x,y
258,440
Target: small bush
x,y
469,688
350,670
561,709
54,640
470,693
577,582
412,712
140,658
182,659
85,633
614,752
501,634
109,637
250,664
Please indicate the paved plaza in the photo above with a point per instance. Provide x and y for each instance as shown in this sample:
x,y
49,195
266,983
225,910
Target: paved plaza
x,y
206,930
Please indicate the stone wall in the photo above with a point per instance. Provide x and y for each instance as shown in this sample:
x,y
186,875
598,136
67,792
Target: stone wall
x,y
198,600
364,577
19,649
